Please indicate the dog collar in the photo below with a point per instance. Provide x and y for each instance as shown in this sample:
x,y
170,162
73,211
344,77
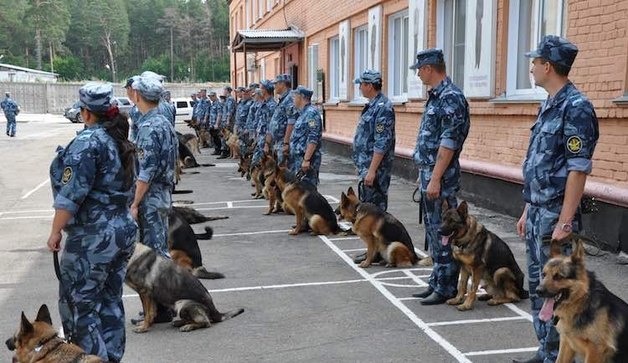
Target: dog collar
x,y
42,343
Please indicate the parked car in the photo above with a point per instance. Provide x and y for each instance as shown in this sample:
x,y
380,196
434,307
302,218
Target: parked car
x,y
73,113
124,104
184,109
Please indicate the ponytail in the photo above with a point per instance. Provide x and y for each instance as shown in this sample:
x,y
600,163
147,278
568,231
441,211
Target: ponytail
x,y
117,126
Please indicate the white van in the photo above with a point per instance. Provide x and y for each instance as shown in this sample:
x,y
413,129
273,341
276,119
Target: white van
x,y
184,109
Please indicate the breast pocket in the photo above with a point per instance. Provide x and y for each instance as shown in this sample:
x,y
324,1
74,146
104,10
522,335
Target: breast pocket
x,y
550,137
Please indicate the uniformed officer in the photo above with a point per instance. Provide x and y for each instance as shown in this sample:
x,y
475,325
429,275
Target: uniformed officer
x,y
164,107
11,109
134,113
242,114
558,160
284,117
156,150
202,108
166,97
374,141
226,118
92,182
264,113
251,124
443,130
305,139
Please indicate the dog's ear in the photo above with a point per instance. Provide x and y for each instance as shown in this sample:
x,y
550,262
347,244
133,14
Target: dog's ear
x,y
463,210
578,253
343,198
350,191
43,315
445,205
25,326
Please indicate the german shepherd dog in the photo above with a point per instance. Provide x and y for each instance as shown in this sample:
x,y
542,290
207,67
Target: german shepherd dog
x,y
482,256
232,141
306,203
244,167
384,235
37,342
592,321
183,246
161,281
277,178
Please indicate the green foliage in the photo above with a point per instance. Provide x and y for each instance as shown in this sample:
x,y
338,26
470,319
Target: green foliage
x,y
84,36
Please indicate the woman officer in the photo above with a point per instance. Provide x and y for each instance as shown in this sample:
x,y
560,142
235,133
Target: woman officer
x,y
92,182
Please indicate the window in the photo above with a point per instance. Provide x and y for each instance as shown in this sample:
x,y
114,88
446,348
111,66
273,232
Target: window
x,y
361,39
268,5
530,20
334,67
248,14
312,70
253,12
398,55
451,38
260,8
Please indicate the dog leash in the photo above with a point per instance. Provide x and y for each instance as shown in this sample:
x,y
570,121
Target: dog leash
x,y
69,335
362,192
417,192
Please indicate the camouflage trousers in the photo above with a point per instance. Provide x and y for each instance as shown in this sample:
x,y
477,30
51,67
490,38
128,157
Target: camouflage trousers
x,y
278,147
93,266
540,223
259,149
153,223
11,124
378,193
295,161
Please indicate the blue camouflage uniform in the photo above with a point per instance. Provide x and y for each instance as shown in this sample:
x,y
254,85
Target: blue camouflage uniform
x,y
202,111
242,114
10,109
228,112
375,134
445,123
157,152
88,181
264,113
214,109
285,114
134,115
308,129
562,140
251,118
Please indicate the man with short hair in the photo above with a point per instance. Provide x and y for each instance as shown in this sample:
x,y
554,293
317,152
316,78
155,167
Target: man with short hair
x,y
226,118
264,113
242,114
283,119
443,131
306,137
555,170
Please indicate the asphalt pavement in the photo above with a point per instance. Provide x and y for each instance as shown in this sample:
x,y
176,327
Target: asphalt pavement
x,y
304,299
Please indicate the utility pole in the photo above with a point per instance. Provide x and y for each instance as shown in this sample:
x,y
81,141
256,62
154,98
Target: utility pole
x,y
171,54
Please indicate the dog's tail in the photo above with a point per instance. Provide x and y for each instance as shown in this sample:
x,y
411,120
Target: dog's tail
x,y
231,314
202,273
209,232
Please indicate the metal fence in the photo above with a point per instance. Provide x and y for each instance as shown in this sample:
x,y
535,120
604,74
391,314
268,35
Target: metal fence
x,y
55,97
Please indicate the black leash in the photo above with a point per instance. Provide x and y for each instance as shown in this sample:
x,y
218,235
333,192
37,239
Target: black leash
x,y
417,198
362,192
69,335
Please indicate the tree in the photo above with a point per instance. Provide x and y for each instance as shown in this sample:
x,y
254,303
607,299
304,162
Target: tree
x,y
51,21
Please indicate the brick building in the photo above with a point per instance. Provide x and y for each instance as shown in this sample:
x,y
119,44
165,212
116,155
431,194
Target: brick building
x,y
326,43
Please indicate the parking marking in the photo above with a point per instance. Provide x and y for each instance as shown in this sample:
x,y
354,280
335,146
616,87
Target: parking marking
x,y
474,321
252,233
36,189
502,351
457,354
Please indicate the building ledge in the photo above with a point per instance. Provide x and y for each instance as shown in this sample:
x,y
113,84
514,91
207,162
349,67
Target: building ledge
x,y
623,100
605,192
533,99
358,103
332,102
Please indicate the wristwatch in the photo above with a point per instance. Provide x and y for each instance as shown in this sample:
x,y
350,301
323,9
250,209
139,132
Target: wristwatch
x,y
566,227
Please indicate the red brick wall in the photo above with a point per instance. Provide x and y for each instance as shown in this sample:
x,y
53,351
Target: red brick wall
x,y
499,132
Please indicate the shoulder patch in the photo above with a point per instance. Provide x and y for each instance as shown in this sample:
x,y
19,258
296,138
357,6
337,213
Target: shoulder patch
x,y
67,175
574,144
140,153
379,127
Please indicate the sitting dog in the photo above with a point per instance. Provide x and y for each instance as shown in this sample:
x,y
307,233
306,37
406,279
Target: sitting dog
x,y
306,203
37,342
482,256
161,281
386,238
591,320
232,141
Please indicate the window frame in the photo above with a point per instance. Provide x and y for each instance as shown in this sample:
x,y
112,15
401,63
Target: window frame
x,y
312,64
334,66
440,41
534,93
357,97
393,56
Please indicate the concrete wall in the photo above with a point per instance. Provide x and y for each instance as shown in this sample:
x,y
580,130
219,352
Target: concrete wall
x,y
54,98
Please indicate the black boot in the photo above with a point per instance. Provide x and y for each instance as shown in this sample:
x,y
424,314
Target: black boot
x,y
216,152
434,299
534,359
424,294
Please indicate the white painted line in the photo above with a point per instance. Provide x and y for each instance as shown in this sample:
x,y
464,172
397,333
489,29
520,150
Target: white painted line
x,y
416,279
420,253
409,298
229,205
502,351
28,211
343,238
36,189
227,201
457,354
475,321
252,233
354,250
28,217
332,199
521,313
